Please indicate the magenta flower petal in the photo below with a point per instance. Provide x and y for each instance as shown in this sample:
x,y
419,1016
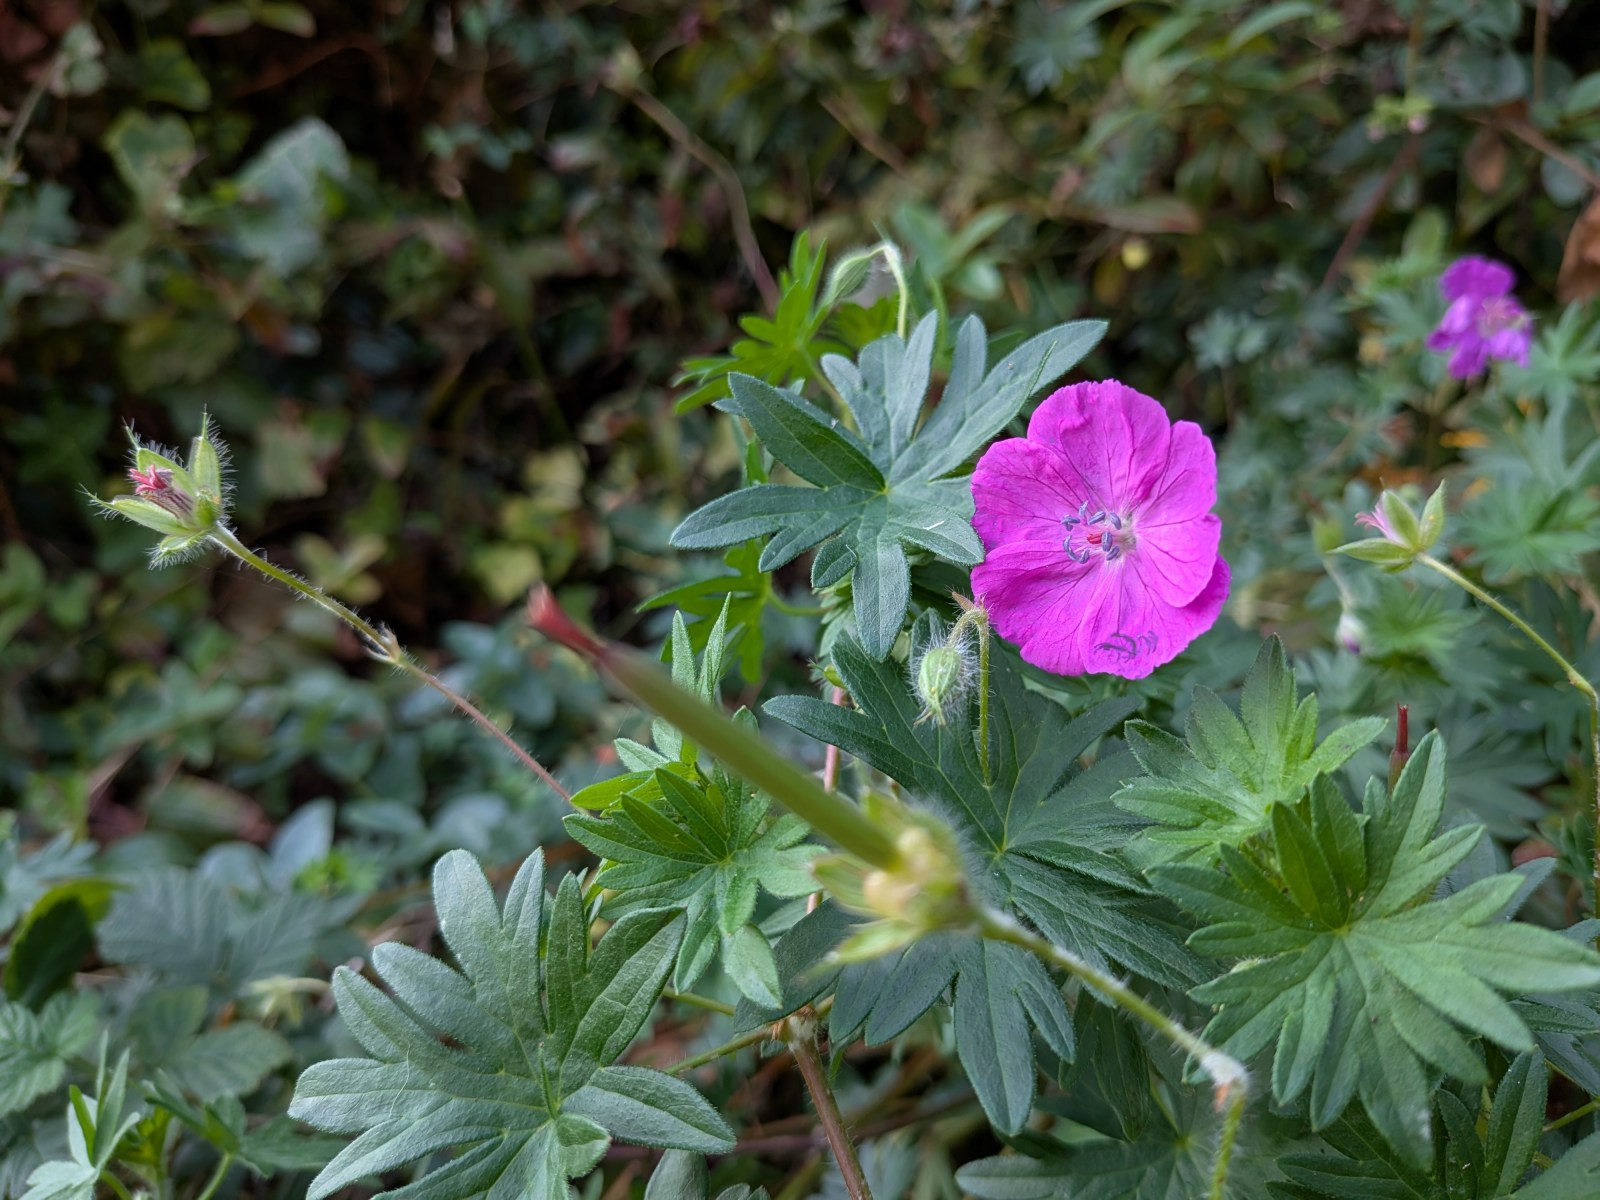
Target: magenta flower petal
x,y
1484,320
1475,276
1102,551
1131,632
1038,603
1187,488
1020,492
1112,437
1175,561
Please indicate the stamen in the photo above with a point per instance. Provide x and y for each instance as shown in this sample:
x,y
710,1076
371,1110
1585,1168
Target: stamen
x,y
1113,553
1116,521
1070,521
1096,517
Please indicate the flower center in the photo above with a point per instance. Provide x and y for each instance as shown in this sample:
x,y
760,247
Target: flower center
x,y
1497,314
1101,532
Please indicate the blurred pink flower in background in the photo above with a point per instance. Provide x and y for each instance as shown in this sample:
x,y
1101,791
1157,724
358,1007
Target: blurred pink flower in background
x,y
1484,319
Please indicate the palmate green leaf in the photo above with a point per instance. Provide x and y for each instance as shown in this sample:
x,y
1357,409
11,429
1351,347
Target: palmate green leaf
x,y
36,1047
738,599
1470,1167
707,848
881,492
192,930
1171,1159
1219,787
1030,834
96,1126
1363,984
527,1092
165,1027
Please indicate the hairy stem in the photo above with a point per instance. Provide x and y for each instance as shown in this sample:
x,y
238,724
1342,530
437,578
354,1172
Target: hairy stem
x,y
897,268
802,1039
1230,1081
977,617
1574,677
385,647
754,1037
741,751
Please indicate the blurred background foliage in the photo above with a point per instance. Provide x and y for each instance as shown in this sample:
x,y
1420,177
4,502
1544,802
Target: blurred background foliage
x,y
435,267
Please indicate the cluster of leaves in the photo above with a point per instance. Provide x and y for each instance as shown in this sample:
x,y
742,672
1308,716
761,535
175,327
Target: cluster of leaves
x,y
672,836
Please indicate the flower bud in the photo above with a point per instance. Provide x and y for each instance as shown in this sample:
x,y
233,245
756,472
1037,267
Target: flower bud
x,y
942,673
184,502
1402,536
849,276
1351,633
922,891
941,683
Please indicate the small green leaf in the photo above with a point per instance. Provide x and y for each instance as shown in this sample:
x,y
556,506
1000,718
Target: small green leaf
x,y
1221,785
1379,551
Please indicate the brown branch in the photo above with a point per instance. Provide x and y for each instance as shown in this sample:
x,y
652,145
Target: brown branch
x,y
738,207
1530,136
866,138
281,72
1368,213
803,1043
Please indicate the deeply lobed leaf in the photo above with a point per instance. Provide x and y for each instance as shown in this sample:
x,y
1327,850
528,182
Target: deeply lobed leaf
x,y
525,1088
1364,986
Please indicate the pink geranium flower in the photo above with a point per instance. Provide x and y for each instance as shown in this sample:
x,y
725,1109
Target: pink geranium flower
x,y
1484,319
1102,547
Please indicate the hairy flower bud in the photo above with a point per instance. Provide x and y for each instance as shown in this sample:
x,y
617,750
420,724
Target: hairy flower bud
x,y
184,502
942,673
1402,535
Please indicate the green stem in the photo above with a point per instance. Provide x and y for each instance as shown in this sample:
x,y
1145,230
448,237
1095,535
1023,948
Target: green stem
x,y
737,748
1576,1114
754,1037
1229,1079
978,618
695,1000
116,1185
216,1177
802,1039
224,537
897,268
983,693
1574,677
827,385
386,648
794,610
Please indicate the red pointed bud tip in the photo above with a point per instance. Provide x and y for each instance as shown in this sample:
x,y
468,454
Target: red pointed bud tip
x,y
545,615
1402,745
